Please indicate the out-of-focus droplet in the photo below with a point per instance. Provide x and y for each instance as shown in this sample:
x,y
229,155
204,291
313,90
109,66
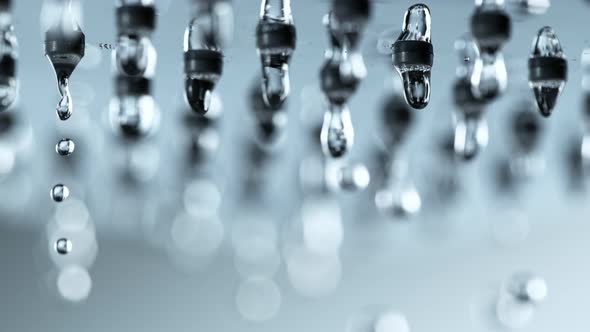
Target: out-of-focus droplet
x,y
133,112
547,70
8,59
524,8
63,246
74,283
65,147
413,55
59,193
391,321
353,177
337,135
258,299
313,274
518,298
489,77
399,196
471,136
135,54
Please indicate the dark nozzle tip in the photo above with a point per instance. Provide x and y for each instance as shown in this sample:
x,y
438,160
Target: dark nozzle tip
x,y
198,94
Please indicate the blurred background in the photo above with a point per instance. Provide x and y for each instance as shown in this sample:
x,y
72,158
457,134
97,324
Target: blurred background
x,y
199,226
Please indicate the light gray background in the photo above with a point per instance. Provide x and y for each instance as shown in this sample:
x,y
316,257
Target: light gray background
x,y
439,269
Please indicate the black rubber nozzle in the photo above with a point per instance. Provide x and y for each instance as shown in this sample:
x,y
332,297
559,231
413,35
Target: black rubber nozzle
x,y
132,17
412,52
347,10
276,35
494,24
547,68
203,61
132,86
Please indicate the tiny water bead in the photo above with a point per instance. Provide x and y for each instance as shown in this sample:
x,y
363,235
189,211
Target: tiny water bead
x,y
547,70
413,55
59,193
65,147
63,246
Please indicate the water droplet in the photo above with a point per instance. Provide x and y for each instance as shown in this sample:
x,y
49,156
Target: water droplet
x,y
547,70
412,55
519,296
133,55
74,283
471,135
353,177
65,147
489,78
134,114
198,94
59,193
64,107
258,299
398,196
337,135
275,83
63,246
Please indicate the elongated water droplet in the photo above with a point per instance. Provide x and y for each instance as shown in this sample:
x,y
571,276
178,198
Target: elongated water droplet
x,y
337,135
59,193
489,78
65,147
276,85
63,246
64,107
471,135
412,55
547,70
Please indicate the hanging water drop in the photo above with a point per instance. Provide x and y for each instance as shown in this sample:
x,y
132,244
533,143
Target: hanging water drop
x,y
413,55
63,246
64,47
59,193
275,41
491,28
207,33
547,70
65,147
135,54
337,135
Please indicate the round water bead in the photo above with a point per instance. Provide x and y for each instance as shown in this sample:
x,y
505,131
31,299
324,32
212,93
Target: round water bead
x,y
63,246
59,193
65,147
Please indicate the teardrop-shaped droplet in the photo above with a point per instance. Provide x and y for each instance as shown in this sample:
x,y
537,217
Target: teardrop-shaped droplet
x,y
547,70
59,193
417,24
65,147
471,136
198,93
132,55
64,107
416,81
337,135
275,84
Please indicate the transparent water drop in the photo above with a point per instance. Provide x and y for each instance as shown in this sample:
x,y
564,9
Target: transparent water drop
x,y
133,112
547,70
276,85
471,136
63,246
59,193
198,92
412,55
64,107
65,147
337,135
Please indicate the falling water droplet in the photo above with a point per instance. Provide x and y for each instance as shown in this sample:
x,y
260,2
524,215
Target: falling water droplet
x,y
65,147
413,55
337,135
547,70
59,193
64,107
63,246
471,135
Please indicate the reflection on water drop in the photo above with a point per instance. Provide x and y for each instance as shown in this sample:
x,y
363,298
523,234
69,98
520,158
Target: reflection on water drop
x,y
65,147
63,246
74,283
59,193
199,93
258,299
